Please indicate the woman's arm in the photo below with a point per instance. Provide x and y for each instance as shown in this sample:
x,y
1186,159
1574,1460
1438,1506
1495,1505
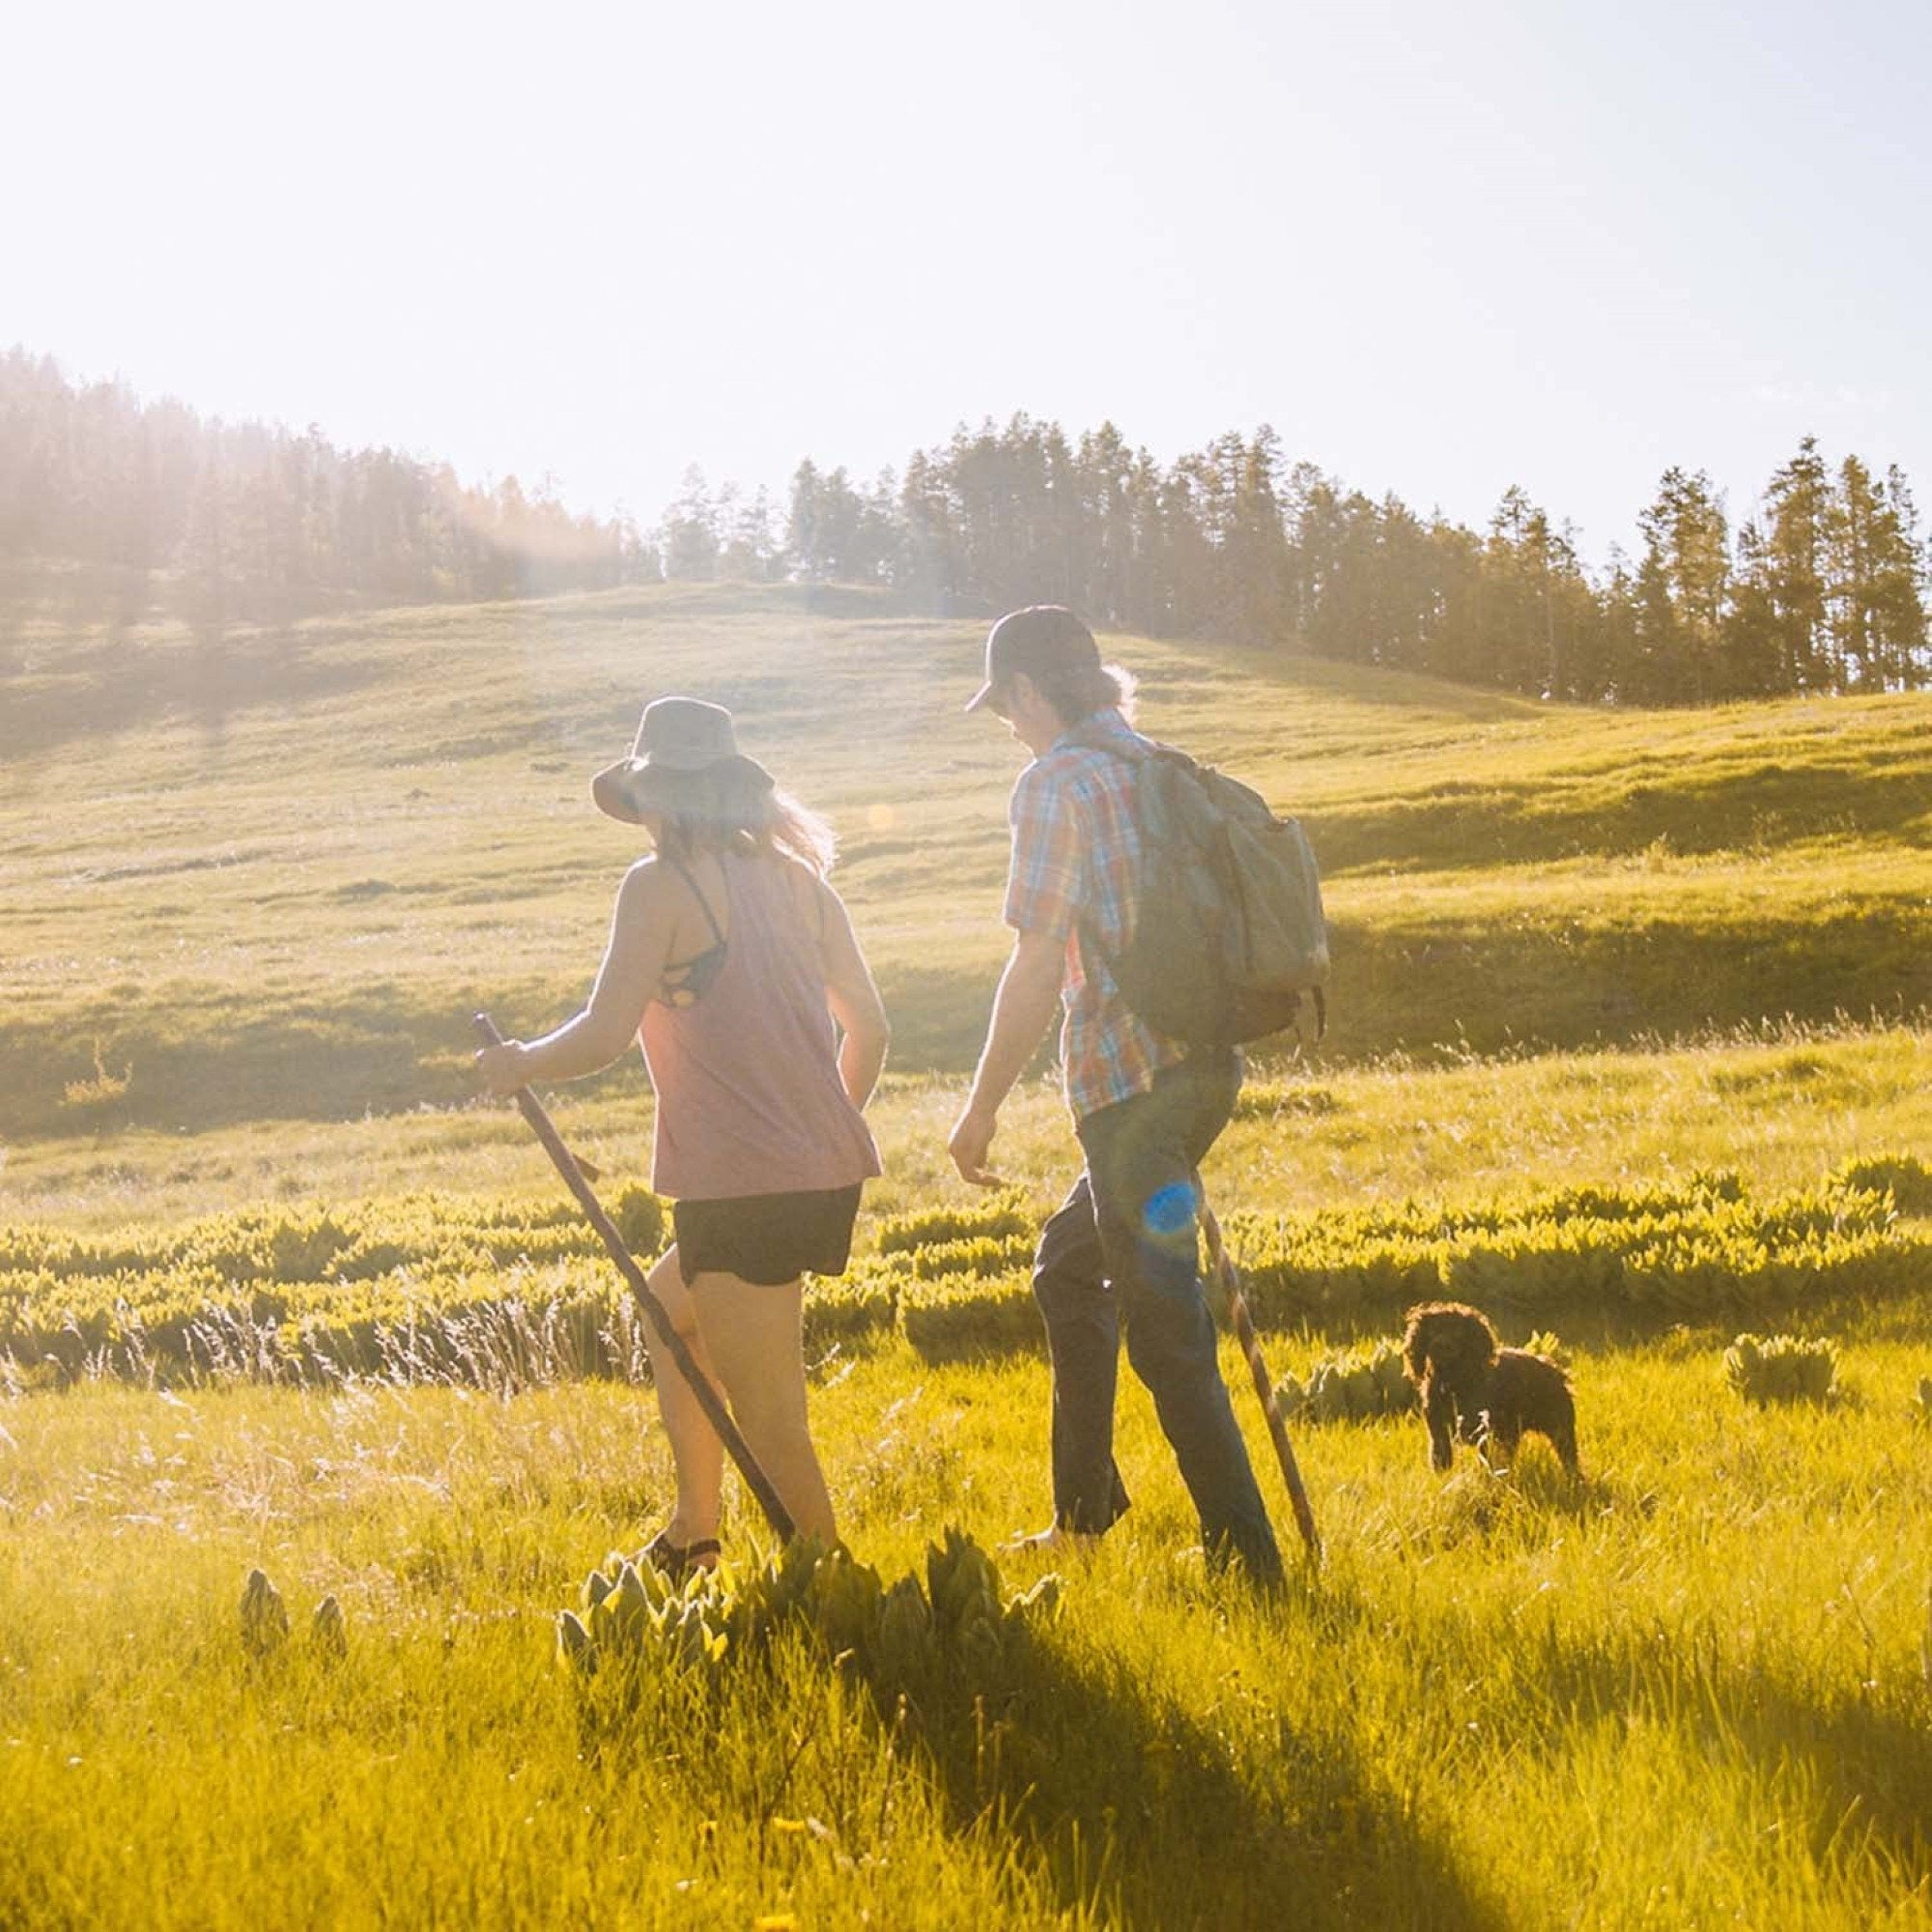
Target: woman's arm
x,y
634,964
854,999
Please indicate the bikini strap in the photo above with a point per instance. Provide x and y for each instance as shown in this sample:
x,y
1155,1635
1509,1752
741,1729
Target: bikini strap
x,y
704,904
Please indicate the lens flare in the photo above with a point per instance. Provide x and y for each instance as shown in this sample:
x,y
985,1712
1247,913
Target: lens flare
x,y
1170,1212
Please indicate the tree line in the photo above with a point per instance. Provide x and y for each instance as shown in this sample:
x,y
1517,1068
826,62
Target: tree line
x,y
112,509
1822,589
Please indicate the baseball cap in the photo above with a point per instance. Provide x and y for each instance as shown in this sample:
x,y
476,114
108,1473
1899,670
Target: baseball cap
x,y
1040,640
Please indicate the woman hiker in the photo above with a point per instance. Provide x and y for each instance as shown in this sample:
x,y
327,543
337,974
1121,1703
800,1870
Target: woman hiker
x,y
735,958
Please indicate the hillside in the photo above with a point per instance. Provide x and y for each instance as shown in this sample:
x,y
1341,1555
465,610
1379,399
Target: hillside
x,y
271,880
308,1305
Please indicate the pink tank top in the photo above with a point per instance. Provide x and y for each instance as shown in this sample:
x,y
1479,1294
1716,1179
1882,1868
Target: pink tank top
x,y
746,1077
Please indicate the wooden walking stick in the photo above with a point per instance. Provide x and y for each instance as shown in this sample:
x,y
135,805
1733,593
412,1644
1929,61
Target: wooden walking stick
x,y
708,1397
1251,1347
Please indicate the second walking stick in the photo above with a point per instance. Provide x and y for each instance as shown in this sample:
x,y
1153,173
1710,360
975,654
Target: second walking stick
x,y
1251,1347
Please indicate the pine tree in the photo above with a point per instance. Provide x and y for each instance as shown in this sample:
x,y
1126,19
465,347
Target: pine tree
x,y
1874,613
1791,567
1682,586
690,536
1904,574
804,545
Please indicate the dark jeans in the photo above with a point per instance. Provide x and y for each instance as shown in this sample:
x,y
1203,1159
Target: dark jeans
x,y
1124,1248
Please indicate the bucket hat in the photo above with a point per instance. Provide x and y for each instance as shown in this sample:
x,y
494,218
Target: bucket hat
x,y
679,739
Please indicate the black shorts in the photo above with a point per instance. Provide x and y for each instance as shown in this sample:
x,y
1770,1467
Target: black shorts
x,y
767,1238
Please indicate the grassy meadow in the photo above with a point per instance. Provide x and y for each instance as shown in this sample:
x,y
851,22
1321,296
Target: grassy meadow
x,y
1629,1043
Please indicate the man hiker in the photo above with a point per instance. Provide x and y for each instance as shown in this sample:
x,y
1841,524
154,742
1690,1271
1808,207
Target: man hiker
x,y
1124,1247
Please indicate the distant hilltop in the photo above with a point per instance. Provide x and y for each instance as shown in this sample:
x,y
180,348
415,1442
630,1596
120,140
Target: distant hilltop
x,y
114,511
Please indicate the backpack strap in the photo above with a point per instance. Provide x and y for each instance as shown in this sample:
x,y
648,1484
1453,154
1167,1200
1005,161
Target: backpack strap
x,y
1135,753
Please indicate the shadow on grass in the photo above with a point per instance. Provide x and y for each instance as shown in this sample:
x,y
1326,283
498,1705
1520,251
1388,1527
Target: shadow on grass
x,y
195,1060
203,1059
1441,990
1009,1329
1127,1804
1765,806
1526,1505
100,686
1863,1758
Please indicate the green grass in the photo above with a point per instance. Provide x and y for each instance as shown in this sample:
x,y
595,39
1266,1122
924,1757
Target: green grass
x,y
1583,958
286,880
1782,1110
1705,1657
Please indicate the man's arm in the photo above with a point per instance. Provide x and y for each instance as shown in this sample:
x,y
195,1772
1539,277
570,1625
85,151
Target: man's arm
x,y
1023,1008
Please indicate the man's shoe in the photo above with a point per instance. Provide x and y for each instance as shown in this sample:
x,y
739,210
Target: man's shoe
x,y
1055,1539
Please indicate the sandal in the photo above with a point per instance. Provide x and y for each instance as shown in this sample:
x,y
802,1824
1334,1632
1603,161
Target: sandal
x,y
678,1560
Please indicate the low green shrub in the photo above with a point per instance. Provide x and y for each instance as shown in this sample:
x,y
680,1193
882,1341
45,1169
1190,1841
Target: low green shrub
x,y
999,1217
848,1310
640,1219
951,1318
1903,1175
1361,1385
424,1284
1781,1368
977,1255
1695,1253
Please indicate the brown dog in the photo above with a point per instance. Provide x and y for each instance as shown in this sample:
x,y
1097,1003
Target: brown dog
x,y
1473,1389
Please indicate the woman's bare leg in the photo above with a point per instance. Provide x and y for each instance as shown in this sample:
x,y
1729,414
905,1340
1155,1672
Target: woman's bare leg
x,y
695,1451
753,1336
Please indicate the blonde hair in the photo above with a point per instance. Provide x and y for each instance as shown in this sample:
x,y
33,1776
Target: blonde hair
x,y
1079,693
725,809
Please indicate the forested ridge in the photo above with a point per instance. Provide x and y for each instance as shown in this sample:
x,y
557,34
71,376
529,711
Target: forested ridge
x,y
113,511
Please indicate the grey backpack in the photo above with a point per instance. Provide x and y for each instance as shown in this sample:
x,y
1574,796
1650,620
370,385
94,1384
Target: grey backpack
x,y
1230,938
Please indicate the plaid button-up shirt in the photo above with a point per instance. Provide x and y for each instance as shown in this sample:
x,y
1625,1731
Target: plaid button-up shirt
x,y
1076,858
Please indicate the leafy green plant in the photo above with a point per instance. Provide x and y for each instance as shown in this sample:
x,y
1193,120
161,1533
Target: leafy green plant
x,y
1360,1385
630,1616
639,1217
955,1316
1001,1217
512,1292
264,1617
1781,1368
102,1088
1905,1177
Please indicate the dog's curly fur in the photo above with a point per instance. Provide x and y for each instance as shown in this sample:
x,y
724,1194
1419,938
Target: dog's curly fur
x,y
1473,1389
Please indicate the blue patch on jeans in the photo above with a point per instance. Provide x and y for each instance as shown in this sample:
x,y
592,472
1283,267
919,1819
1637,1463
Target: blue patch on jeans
x,y
1170,1212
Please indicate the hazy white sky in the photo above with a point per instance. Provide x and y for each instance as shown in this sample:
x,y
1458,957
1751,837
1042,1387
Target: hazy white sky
x,y
1442,247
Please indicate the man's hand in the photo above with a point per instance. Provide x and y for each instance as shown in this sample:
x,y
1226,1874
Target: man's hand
x,y
502,1069
1028,995
971,1141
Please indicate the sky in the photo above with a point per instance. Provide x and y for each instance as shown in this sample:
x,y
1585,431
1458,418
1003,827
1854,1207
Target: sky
x,y
1442,248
